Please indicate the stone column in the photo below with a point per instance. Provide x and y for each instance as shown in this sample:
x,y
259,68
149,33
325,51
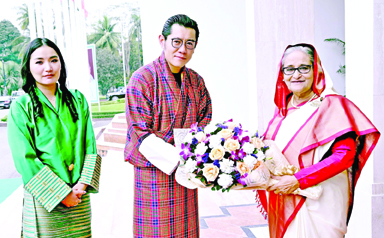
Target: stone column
x,y
378,117
277,24
366,91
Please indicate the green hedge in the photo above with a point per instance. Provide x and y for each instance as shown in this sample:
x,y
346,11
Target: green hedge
x,y
109,114
121,100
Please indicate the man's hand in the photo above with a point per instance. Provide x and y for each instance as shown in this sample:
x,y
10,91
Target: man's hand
x,y
287,184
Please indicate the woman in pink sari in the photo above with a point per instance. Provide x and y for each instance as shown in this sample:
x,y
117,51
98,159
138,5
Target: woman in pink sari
x,y
327,137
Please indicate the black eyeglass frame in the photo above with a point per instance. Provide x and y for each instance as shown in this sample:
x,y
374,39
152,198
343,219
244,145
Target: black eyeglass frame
x,y
182,42
298,69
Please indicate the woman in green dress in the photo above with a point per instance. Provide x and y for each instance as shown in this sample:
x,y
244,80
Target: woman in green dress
x,y
53,147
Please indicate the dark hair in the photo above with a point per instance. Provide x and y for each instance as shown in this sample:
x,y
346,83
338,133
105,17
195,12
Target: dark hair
x,y
29,85
182,20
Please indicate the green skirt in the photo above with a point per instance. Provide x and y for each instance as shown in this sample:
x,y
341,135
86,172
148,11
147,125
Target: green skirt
x,y
60,222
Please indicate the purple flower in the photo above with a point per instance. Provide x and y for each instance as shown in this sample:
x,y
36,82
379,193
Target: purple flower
x,y
222,126
234,156
241,179
216,163
185,151
205,157
244,139
194,127
199,159
236,130
241,154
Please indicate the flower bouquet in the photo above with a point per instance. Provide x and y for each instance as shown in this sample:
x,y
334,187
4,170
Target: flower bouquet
x,y
222,156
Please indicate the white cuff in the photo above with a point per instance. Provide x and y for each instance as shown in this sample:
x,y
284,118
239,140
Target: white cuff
x,y
162,155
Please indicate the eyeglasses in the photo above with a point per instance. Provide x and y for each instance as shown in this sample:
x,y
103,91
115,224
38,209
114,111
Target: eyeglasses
x,y
304,69
177,43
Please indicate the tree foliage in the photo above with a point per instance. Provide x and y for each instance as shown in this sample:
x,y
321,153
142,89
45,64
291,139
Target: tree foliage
x,y
23,17
134,49
108,42
104,36
12,76
109,70
8,32
19,44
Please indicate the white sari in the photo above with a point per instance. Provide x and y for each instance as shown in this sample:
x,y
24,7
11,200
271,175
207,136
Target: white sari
x,y
326,217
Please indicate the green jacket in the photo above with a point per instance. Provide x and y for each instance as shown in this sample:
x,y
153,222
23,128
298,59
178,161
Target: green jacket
x,y
53,153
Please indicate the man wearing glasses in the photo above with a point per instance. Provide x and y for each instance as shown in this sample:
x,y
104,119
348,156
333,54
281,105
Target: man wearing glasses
x,y
161,96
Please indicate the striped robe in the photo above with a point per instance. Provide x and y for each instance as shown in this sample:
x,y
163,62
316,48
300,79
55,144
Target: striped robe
x,y
156,105
52,153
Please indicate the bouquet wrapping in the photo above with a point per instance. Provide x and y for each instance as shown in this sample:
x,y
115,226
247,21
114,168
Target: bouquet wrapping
x,y
278,165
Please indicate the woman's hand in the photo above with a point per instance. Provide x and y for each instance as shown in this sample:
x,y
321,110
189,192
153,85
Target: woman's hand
x,y
286,184
79,189
71,200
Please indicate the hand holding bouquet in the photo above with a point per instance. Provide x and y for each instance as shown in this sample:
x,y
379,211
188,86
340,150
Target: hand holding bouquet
x,y
278,165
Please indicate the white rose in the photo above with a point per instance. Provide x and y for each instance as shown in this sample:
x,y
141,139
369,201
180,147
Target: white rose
x,y
260,155
257,142
248,148
201,148
250,161
225,180
231,145
190,165
214,141
188,138
210,128
217,153
200,136
226,166
231,125
226,133
210,172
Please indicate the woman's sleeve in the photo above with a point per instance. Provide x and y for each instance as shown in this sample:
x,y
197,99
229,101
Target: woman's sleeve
x,y
342,157
39,180
90,173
